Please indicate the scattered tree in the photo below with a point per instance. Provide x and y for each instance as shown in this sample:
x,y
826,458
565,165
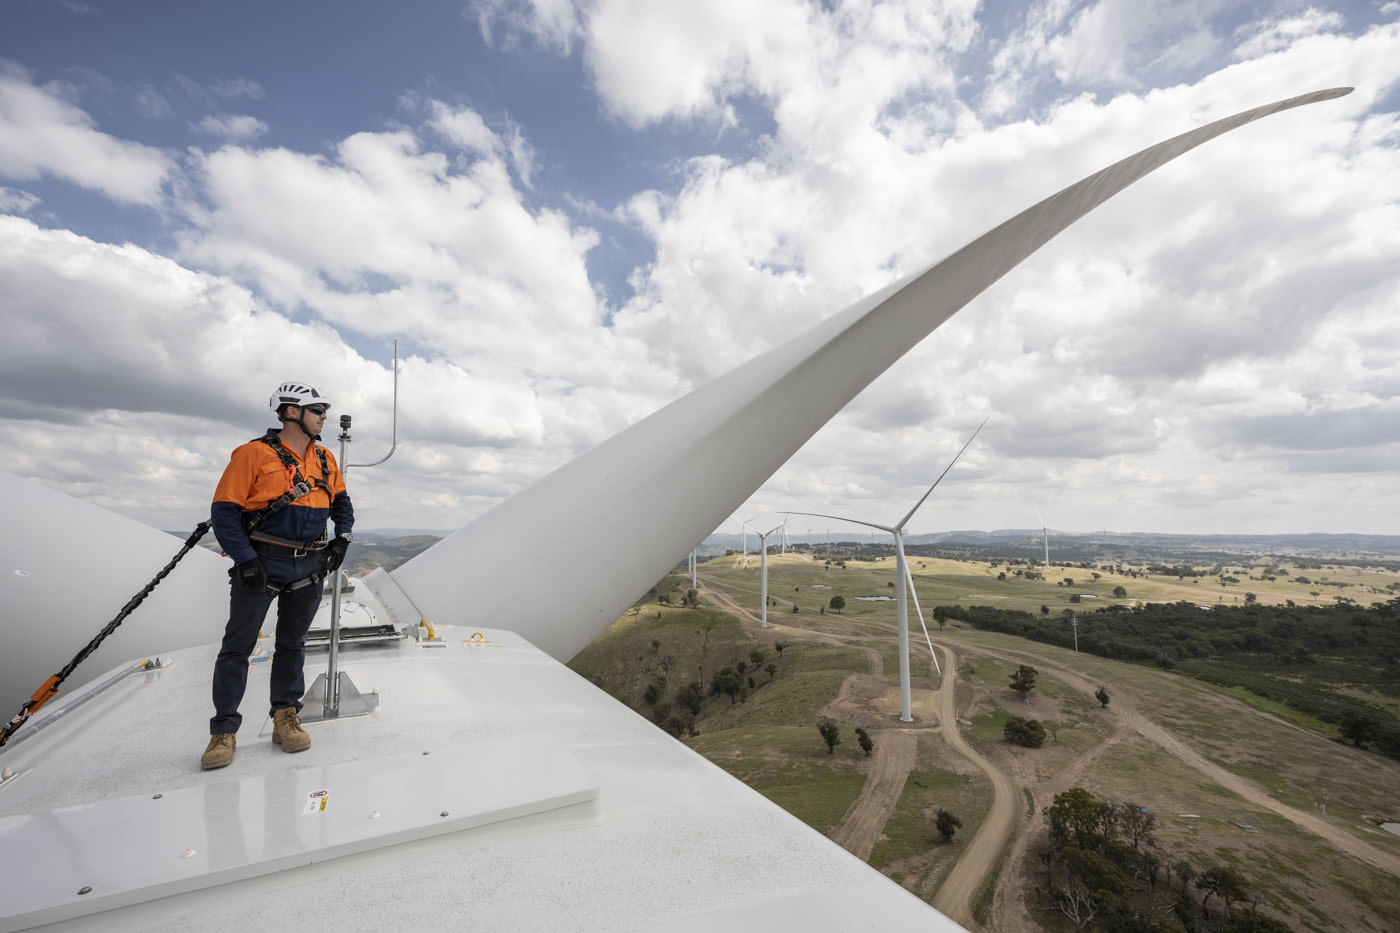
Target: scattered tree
x,y
1120,592
1102,696
1224,881
866,743
837,603
1023,681
1137,824
691,696
946,824
831,735
1027,732
727,681
1356,729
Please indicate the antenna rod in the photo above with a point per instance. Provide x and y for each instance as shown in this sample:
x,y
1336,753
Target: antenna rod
x,y
395,421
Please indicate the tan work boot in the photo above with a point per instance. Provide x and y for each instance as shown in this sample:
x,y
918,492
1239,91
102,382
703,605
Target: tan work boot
x,y
219,752
287,731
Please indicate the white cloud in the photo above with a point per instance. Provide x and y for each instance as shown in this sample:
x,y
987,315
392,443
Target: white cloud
x,y
212,93
818,67
14,201
152,368
392,238
553,23
1274,36
234,88
1218,338
152,104
233,127
464,127
42,134
1103,352
1107,45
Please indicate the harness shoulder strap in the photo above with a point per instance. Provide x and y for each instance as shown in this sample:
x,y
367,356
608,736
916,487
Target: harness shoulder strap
x,y
300,486
290,462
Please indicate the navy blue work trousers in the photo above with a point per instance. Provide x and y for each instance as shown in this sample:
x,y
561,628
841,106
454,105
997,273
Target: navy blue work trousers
x,y
295,610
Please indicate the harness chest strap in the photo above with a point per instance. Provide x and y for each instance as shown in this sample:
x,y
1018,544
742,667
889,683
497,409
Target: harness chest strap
x,y
300,486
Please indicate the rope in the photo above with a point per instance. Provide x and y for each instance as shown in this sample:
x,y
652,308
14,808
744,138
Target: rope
x,y
50,687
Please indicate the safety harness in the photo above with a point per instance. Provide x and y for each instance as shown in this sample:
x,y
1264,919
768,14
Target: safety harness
x,y
300,487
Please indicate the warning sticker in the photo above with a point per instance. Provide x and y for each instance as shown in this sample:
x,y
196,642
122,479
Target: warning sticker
x,y
316,802
479,640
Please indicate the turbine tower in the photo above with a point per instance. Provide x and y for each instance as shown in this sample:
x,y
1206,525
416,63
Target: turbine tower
x,y
745,526
763,570
1045,532
905,582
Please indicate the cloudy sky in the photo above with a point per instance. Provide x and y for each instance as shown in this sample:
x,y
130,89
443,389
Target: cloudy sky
x,y
571,213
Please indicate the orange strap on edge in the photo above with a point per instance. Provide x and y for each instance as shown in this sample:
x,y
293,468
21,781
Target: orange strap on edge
x,y
41,696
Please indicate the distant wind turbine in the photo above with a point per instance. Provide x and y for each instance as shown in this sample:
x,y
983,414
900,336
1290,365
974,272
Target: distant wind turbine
x,y
905,582
763,569
745,525
1045,531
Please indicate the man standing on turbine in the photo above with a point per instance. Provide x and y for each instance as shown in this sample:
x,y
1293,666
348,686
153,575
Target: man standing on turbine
x,y
269,514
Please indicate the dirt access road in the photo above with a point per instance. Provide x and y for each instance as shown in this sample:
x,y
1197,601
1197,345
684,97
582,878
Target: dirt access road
x,y
1009,915
894,757
955,894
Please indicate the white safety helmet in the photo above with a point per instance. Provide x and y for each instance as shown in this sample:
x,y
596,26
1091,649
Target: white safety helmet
x,y
296,393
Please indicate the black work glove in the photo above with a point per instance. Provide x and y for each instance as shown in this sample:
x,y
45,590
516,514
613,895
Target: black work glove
x,y
250,576
334,554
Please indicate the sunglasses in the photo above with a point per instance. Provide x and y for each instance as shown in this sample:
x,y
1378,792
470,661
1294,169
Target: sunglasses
x,y
318,410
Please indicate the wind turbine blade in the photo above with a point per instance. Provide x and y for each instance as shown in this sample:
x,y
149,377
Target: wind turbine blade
x,y
909,575
682,461
1040,519
853,521
905,520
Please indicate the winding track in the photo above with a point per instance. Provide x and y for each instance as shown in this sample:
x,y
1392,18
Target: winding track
x,y
891,762
1164,738
895,752
959,887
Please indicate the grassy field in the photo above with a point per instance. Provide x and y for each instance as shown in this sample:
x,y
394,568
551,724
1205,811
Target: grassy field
x,y
767,737
799,579
1312,884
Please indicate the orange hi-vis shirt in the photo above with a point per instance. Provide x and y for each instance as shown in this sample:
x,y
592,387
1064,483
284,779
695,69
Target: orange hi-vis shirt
x,y
256,476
